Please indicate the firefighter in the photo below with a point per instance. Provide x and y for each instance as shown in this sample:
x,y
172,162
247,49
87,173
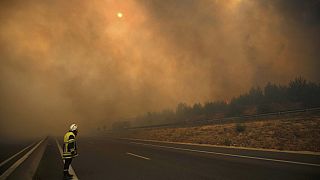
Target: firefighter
x,y
69,149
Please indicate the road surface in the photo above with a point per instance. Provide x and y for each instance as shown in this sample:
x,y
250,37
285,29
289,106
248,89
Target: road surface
x,y
107,158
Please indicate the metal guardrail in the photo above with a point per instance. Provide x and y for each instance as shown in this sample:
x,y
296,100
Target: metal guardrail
x,y
227,119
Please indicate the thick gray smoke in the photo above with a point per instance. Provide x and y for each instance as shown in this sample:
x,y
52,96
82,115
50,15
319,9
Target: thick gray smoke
x,y
77,61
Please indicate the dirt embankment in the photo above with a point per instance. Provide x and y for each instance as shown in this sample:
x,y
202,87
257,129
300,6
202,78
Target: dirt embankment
x,y
285,134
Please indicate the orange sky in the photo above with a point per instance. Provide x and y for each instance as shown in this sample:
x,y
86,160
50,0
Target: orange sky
x,y
77,61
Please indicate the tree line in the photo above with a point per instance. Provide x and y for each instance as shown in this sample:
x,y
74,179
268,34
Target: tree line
x,y
297,94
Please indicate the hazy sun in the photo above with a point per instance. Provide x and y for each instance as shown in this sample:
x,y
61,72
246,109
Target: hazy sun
x,y
119,14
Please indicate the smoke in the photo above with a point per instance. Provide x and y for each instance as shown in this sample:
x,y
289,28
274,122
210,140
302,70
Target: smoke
x,y
76,61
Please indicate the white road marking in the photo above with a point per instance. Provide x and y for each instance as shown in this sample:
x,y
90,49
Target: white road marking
x,y
227,147
4,162
17,163
138,156
71,169
232,155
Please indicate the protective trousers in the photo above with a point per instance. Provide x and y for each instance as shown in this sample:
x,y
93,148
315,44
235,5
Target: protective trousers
x,y
67,163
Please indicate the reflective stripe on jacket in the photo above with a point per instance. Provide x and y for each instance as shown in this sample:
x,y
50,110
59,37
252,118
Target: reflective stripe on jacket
x,y
69,146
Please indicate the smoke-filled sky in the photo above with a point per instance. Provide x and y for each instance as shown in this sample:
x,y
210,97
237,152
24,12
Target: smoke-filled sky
x,y
80,61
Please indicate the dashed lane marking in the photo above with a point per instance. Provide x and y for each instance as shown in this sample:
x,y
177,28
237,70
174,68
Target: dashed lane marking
x,y
138,156
232,155
227,147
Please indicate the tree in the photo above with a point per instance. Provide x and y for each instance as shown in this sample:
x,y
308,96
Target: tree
x,y
297,89
298,93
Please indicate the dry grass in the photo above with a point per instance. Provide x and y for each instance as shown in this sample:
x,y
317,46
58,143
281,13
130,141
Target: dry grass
x,y
286,134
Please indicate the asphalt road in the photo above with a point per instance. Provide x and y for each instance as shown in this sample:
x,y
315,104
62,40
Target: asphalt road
x,y
9,148
126,159
106,158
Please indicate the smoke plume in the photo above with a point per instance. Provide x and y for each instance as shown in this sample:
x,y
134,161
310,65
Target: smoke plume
x,y
77,61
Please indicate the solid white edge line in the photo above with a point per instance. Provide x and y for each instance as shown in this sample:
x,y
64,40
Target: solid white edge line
x,y
7,160
232,155
227,147
71,169
138,156
17,163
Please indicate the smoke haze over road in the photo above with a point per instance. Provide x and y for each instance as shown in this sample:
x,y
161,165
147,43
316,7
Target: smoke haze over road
x,y
77,61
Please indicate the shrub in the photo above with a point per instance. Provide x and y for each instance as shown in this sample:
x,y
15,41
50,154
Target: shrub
x,y
227,142
240,127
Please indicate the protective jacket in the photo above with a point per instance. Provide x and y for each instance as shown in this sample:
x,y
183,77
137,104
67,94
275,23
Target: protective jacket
x,y
69,146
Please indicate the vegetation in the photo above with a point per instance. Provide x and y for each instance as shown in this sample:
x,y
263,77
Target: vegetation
x,y
297,134
299,93
240,127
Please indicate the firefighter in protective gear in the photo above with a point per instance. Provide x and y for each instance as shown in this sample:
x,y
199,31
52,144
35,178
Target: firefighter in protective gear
x,y
69,149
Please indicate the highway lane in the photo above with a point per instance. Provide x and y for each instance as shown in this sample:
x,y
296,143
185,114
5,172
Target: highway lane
x,y
105,158
51,165
9,148
11,151
251,153
108,158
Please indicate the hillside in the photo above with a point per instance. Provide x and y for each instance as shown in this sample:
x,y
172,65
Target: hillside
x,y
296,134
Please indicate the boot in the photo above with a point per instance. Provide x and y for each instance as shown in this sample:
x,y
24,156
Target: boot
x,y
66,175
